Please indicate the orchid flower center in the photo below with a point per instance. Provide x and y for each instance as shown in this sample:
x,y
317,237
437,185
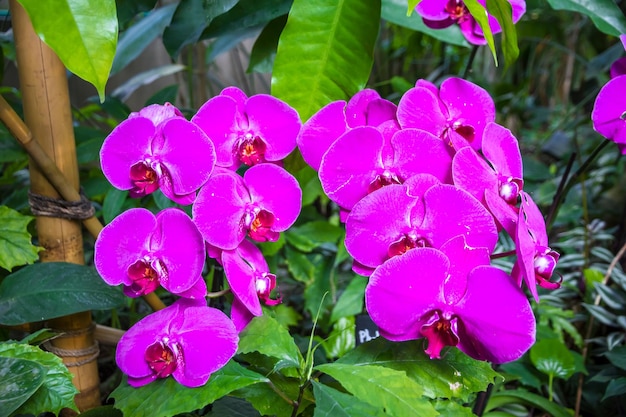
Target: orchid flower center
x,y
386,178
250,149
407,242
264,285
161,359
259,223
144,176
467,131
457,10
509,189
440,330
544,264
146,275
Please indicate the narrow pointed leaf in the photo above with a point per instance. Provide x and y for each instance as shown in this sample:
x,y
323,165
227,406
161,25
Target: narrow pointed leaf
x,y
605,14
394,390
136,38
19,379
47,290
15,241
480,14
166,397
329,44
507,397
83,33
501,10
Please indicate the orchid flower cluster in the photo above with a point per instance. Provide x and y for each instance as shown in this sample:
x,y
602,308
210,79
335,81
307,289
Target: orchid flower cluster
x,y
609,110
440,14
424,189
196,162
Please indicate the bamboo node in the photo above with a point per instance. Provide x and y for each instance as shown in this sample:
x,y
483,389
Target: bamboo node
x,y
42,205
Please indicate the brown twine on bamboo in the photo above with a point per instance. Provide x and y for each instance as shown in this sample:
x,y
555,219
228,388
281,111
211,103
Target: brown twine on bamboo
x,y
42,205
91,352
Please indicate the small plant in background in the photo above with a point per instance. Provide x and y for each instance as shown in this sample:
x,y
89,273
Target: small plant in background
x,y
461,213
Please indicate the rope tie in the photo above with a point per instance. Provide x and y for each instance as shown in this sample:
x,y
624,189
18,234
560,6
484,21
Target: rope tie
x,y
42,205
91,352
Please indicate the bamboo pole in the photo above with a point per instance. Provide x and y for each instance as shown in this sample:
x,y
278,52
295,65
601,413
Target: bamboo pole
x,y
47,111
56,178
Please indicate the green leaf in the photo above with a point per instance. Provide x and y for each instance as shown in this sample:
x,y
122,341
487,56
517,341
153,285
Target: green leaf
x,y
15,244
480,14
301,268
456,375
501,398
166,397
83,33
448,408
147,77
135,39
113,203
617,357
190,20
329,44
313,234
246,14
19,379
615,387
254,338
412,4
551,357
165,95
56,391
232,407
341,339
266,400
332,403
264,49
47,290
501,10
394,11
350,302
398,394
605,14
102,411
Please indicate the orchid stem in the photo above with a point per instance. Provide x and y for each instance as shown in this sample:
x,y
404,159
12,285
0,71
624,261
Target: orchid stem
x,y
503,254
218,293
470,61
281,394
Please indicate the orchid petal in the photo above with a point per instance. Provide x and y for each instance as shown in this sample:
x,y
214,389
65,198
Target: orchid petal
x,y
217,118
417,151
472,174
241,266
609,108
501,148
420,108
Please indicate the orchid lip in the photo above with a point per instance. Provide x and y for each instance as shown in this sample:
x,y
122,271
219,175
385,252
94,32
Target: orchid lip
x,y
509,189
145,176
440,330
250,149
264,285
162,358
457,10
146,274
407,242
381,180
259,223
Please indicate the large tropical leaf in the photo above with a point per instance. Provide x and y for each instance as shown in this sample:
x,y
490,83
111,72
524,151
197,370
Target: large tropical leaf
x,y
325,52
15,241
83,33
605,14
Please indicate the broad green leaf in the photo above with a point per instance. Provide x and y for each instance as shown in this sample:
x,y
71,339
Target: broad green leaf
x,y
456,375
232,407
254,338
39,337
127,10
301,268
332,403
527,373
47,290
480,14
329,44
616,387
166,397
502,398
165,95
394,11
285,315
341,339
605,14
324,282
449,408
83,33
617,356
19,379
501,10
551,357
102,411
350,302
246,14
272,248
264,49
268,402
135,39
398,394
313,234
15,241
125,90
56,391
190,20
